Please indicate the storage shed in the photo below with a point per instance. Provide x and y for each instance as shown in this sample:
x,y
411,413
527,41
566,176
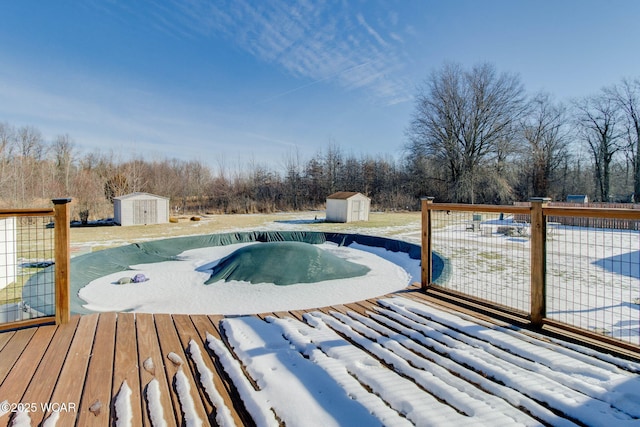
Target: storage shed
x,y
347,206
140,209
577,198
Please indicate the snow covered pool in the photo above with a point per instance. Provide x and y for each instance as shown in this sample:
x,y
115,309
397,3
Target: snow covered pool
x,y
177,270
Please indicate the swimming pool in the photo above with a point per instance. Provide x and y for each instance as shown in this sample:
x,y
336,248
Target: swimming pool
x,y
92,266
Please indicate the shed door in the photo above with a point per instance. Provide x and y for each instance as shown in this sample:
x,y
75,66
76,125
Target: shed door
x,y
356,207
144,212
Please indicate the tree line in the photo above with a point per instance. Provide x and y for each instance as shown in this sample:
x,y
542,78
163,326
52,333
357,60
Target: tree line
x,y
33,171
475,136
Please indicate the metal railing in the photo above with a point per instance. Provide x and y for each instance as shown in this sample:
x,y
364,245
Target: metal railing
x,y
525,262
34,266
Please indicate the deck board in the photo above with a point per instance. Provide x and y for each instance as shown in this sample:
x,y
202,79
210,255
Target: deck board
x,y
69,386
17,380
186,333
12,351
162,323
149,347
97,388
236,403
5,337
88,359
46,375
126,364
203,327
170,343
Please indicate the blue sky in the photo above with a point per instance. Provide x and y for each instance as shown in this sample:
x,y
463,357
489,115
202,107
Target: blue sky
x,y
240,81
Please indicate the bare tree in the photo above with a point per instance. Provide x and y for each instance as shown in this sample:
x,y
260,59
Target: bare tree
x,y
63,152
333,161
314,181
88,191
116,186
7,139
545,144
7,145
598,119
27,163
136,173
350,177
460,118
626,95
293,179
198,179
164,178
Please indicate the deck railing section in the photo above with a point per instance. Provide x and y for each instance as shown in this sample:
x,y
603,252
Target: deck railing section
x,y
34,246
526,262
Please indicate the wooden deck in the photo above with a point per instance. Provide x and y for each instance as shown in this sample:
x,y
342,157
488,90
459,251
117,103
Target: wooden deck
x,y
78,369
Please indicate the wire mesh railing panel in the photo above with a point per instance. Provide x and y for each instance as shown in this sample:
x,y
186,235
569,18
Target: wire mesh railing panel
x,y
593,279
488,256
26,253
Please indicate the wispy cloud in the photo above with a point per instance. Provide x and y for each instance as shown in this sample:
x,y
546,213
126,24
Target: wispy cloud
x,y
373,33
321,41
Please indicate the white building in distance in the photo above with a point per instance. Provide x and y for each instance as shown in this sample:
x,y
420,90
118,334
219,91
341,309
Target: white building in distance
x,y
347,206
140,209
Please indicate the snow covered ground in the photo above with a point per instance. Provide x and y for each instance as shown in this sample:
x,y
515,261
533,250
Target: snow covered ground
x,y
593,275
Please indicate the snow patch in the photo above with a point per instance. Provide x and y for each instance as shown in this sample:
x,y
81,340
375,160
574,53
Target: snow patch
x,y
21,419
256,403
51,420
223,415
124,411
183,388
154,402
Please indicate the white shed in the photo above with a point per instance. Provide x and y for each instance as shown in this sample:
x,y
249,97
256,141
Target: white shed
x,y
140,209
347,206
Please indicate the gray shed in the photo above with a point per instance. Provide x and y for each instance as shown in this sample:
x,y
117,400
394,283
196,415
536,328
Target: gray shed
x,y
140,209
347,206
577,198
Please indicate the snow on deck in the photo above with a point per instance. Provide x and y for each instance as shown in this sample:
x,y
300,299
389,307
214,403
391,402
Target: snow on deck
x,y
396,361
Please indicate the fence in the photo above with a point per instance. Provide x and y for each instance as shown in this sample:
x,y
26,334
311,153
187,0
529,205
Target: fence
x,y
529,263
594,222
34,255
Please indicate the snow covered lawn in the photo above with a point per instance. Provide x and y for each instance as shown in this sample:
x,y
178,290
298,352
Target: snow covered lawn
x,y
593,275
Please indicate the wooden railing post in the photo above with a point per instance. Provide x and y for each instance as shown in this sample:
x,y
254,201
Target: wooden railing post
x,y
62,248
538,261
426,258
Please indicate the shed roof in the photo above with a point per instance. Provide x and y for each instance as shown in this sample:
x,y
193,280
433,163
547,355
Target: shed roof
x,y
138,194
344,195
